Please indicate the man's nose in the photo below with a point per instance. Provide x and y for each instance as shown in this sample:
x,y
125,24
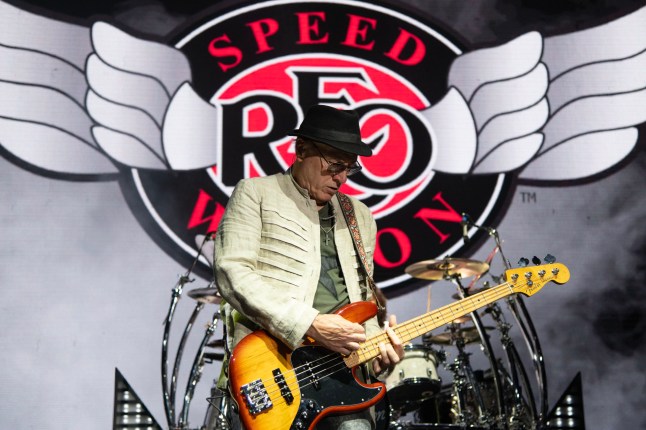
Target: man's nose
x,y
341,177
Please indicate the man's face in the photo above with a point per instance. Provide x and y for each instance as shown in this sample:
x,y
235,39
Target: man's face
x,y
312,172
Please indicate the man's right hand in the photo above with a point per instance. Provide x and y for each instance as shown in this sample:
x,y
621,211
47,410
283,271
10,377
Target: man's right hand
x,y
336,333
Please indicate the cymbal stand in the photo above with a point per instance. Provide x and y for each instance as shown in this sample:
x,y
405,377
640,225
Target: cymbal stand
x,y
521,315
488,350
463,380
196,370
519,377
169,392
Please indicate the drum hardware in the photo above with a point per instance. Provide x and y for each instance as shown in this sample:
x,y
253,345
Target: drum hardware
x,y
465,382
521,315
196,369
213,356
468,335
462,320
454,269
218,343
488,351
517,308
219,410
203,296
519,378
207,295
169,394
435,270
499,398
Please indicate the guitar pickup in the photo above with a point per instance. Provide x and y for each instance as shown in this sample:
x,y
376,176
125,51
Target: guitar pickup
x,y
284,388
256,397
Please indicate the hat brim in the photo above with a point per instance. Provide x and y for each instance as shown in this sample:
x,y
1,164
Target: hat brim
x,y
360,148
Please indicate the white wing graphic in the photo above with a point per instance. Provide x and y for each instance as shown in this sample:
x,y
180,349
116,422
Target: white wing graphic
x,y
558,108
48,127
91,99
88,97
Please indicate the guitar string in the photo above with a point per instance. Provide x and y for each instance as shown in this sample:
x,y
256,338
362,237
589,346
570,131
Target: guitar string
x,y
340,365
372,349
494,294
336,367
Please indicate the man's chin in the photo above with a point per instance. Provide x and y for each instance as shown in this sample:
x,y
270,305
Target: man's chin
x,y
325,199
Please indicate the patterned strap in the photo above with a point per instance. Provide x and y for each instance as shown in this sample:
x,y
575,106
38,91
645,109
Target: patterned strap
x,y
351,220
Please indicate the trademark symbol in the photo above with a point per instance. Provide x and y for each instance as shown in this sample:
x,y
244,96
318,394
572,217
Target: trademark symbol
x,y
527,197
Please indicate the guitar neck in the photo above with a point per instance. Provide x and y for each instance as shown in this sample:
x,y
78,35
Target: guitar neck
x,y
416,327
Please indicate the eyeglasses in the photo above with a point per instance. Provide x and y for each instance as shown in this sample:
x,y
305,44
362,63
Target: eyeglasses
x,y
338,168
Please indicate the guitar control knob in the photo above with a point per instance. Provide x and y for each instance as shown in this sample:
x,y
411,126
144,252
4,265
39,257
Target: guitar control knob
x,y
310,404
304,415
299,424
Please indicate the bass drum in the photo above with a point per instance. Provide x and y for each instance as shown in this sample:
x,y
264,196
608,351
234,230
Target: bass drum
x,y
414,379
438,410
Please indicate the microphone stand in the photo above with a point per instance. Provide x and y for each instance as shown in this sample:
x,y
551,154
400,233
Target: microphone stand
x,y
522,317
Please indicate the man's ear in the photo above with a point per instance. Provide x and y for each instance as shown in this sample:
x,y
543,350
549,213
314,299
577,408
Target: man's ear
x,y
299,149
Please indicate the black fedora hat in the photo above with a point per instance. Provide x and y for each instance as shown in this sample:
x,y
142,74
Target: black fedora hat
x,y
334,127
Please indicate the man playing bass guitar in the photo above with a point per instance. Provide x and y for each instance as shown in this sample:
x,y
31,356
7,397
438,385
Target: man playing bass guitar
x,y
290,252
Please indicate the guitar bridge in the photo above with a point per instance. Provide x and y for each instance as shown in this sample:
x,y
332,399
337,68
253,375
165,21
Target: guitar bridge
x,y
256,397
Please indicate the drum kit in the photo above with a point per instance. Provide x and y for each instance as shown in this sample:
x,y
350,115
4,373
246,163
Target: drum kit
x,y
498,397
475,399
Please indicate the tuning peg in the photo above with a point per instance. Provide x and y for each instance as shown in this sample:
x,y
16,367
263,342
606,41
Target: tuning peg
x,y
549,258
523,262
536,260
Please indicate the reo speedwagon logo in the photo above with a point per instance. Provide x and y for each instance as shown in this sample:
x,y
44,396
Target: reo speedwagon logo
x,y
263,66
178,123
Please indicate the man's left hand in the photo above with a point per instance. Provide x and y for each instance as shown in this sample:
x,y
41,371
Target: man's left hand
x,y
391,353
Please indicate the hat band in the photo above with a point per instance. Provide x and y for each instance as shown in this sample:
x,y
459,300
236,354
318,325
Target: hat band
x,y
333,135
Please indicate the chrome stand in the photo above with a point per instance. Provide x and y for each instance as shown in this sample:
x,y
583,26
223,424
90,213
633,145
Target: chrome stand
x,y
521,315
196,370
488,350
170,390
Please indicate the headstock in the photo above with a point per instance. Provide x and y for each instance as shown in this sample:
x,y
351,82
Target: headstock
x,y
528,280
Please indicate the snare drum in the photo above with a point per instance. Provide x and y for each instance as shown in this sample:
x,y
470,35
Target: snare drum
x,y
414,379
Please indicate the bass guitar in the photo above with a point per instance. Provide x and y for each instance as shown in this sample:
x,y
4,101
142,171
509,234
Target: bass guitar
x,y
279,389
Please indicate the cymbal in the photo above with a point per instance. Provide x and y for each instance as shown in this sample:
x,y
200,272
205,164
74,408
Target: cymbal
x,y
434,270
461,320
468,335
208,295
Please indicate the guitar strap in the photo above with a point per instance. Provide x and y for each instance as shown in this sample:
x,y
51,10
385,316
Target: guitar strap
x,y
351,220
